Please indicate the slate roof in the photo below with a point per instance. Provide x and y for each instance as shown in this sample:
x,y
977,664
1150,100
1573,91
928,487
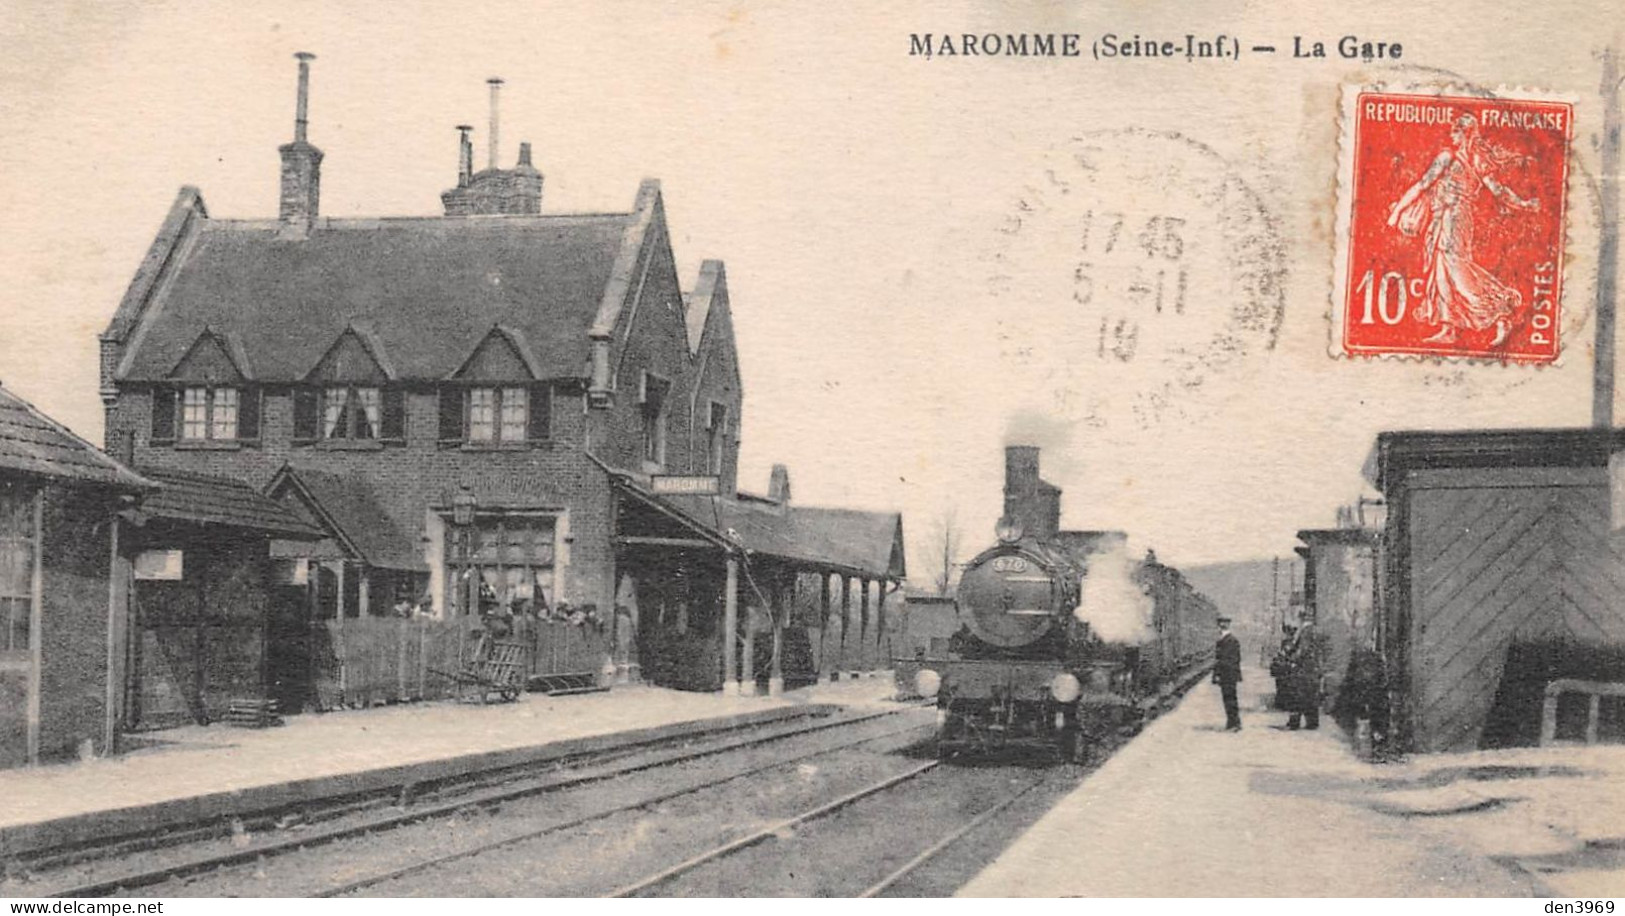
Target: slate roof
x,y
204,500
849,540
352,509
32,443
426,290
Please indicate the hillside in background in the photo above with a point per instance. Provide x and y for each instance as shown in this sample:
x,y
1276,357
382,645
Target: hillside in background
x,y
1242,590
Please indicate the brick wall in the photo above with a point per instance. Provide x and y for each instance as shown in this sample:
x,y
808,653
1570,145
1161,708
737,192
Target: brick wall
x,y
408,479
73,676
718,381
652,338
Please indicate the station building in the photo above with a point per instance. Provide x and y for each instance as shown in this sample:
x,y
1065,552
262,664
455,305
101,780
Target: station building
x,y
478,410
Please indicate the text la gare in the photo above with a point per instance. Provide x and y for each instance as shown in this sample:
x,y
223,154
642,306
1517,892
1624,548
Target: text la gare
x,y
1349,47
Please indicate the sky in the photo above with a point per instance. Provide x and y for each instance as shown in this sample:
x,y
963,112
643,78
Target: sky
x,y
917,250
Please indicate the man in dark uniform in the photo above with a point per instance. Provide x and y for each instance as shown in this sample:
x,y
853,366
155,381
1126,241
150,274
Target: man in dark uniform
x,y
1227,672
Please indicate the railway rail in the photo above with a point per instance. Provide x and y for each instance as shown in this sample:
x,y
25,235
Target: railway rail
x,y
172,860
787,826
862,794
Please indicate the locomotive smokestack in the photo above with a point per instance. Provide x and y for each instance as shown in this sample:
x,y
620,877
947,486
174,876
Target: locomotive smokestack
x,y
1020,468
1028,500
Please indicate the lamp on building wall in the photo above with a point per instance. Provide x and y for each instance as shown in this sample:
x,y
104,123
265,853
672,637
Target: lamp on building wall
x,y
463,513
462,507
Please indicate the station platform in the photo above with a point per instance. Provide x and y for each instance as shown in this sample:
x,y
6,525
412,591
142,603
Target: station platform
x,y
197,772
1187,809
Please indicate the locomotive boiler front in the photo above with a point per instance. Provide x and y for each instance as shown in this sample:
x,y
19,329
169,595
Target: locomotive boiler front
x,y
1012,596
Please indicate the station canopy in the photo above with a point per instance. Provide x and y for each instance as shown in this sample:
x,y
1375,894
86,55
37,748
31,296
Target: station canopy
x,y
847,541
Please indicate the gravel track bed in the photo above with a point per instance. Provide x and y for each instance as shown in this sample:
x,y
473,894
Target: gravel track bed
x,y
315,870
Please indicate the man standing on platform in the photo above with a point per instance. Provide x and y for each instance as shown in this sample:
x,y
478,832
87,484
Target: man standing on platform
x,y
1227,672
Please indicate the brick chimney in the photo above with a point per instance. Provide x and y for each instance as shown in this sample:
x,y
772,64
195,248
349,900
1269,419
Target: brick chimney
x,y
301,166
493,191
1029,501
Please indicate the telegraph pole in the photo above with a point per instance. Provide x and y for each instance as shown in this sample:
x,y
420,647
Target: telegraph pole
x,y
1602,389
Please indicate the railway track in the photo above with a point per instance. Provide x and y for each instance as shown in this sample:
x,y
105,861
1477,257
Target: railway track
x,y
169,863
787,833
373,880
862,795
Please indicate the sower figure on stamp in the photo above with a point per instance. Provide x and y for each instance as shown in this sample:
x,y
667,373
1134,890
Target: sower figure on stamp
x,y
1227,672
1461,294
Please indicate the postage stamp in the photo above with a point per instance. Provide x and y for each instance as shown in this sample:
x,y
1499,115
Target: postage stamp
x,y
1450,225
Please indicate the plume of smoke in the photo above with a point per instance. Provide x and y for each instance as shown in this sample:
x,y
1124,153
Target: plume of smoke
x,y
1112,603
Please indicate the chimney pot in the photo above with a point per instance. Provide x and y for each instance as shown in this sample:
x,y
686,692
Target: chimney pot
x,y
302,109
495,83
524,154
465,155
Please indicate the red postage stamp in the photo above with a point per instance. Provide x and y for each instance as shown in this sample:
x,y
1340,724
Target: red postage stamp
x,y
1450,225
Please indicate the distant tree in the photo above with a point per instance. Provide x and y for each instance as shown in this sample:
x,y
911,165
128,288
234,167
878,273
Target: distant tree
x,y
945,537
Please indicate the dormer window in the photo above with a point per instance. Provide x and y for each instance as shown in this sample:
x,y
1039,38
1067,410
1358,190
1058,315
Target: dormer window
x,y
349,413
498,415
349,398
496,399
507,415
209,413
204,413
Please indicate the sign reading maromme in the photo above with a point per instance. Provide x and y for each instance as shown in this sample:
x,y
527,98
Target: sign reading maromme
x,y
684,485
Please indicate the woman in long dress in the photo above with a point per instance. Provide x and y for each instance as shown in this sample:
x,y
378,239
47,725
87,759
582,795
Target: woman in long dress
x,y
1460,293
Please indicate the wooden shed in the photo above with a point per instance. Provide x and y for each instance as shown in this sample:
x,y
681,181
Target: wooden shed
x,y
201,597
61,604
1496,541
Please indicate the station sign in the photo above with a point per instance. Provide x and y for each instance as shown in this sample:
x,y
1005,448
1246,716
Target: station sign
x,y
685,485
160,565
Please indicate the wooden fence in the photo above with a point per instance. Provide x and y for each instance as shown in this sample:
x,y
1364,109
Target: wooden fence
x,y
374,660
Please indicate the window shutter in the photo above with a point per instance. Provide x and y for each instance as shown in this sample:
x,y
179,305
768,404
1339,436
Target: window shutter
x,y
306,419
451,414
541,412
248,414
393,420
163,415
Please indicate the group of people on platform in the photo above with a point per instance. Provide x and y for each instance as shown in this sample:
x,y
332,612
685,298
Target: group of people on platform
x,y
1296,669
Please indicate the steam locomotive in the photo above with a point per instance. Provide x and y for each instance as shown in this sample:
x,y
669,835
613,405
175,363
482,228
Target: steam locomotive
x,y
1063,640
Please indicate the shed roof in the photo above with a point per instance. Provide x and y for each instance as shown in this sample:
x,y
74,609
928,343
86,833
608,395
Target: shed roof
x,y
426,291
347,504
1400,451
200,499
32,443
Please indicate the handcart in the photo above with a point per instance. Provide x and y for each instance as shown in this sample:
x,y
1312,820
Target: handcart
x,y
499,666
